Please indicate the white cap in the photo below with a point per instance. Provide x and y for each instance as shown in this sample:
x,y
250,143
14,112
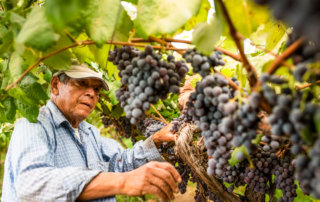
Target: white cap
x,y
82,71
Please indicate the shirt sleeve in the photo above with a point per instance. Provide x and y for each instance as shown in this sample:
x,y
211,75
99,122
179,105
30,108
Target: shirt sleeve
x,y
36,177
125,160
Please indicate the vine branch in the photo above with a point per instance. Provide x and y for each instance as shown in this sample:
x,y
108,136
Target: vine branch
x,y
164,120
79,43
276,63
306,85
252,74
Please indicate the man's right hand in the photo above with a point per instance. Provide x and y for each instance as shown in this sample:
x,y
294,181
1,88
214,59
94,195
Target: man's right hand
x,y
157,178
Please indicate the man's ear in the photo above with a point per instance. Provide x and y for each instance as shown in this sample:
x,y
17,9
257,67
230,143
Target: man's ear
x,y
54,85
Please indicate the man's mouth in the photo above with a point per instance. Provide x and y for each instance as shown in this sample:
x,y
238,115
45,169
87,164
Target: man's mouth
x,y
87,104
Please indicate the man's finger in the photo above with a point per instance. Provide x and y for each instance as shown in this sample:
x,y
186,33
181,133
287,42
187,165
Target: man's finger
x,y
167,177
171,169
162,185
158,192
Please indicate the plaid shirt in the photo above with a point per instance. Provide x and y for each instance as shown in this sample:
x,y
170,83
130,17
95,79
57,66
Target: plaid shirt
x,y
47,162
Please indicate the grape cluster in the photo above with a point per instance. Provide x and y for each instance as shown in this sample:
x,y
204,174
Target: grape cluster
x,y
205,106
243,123
184,171
284,180
149,126
307,171
296,14
201,63
121,124
145,79
177,122
257,177
289,117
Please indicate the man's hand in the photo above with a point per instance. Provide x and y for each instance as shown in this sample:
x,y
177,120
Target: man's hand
x,y
163,135
157,178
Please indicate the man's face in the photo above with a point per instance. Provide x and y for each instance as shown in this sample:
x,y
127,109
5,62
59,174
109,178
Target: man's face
x,y
77,98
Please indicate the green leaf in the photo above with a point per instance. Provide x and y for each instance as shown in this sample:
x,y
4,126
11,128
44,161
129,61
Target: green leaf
x,y
205,36
6,41
233,160
100,54
200,17
195,80
101,17
10,108
61,60
116,111
246,15
28,111
124,27
37,32
113,86
19,94
61,12
307,136
163,17
33,89
316,120
269,35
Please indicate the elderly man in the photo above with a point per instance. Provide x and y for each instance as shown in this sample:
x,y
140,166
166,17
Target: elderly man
x,y
63,158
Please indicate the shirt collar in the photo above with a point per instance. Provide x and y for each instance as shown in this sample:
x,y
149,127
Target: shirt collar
x,y
59,118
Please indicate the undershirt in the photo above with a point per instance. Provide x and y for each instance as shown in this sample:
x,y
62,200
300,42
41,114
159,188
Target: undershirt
x,y
76,131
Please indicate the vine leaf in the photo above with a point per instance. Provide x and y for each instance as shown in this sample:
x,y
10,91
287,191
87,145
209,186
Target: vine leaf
x,y
101,17
33,89
61,60
29,111
163,17
37,32
10,108
201,16
205,36
61,12
246,15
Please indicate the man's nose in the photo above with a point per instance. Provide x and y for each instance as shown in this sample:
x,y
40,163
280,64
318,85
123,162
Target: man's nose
x,y
90,92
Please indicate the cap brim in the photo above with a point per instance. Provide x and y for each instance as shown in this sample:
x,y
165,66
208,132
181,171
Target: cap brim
x,y
104,83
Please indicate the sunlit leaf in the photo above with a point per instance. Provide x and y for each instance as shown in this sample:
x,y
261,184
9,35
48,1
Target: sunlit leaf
x,y
163,17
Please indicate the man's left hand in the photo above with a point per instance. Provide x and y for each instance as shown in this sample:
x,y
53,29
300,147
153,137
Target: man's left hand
x,y
163,135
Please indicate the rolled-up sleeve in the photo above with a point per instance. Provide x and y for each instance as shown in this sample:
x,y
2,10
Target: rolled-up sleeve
x,y
125,160
32,156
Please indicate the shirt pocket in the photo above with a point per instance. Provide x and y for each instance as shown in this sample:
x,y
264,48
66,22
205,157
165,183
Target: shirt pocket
x,y
99,165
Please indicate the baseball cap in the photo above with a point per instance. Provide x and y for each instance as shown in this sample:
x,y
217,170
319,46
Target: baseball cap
x,y
82,71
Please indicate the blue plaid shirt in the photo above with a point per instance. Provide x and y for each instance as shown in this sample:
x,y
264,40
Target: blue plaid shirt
x,y
47,162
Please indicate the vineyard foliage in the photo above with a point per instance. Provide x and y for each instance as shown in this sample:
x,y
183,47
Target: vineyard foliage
x,y
253,73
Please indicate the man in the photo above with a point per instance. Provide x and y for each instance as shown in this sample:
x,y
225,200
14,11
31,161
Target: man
x,y
63,158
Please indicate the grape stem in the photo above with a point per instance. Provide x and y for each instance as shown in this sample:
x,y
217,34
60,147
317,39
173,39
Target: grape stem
x,y
269,52
291,49
305,85
163,120
154,117
81,43
252,74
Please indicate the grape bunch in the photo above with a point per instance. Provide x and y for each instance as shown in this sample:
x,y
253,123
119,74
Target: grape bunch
x,y
296,14
257,178
121,124
292,111
284,179
307,171
243,123
145,79
177,122
149,126
201,63
205,106
184,171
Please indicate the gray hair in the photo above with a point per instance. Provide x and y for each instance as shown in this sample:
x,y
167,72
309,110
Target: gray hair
x,y
63,78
